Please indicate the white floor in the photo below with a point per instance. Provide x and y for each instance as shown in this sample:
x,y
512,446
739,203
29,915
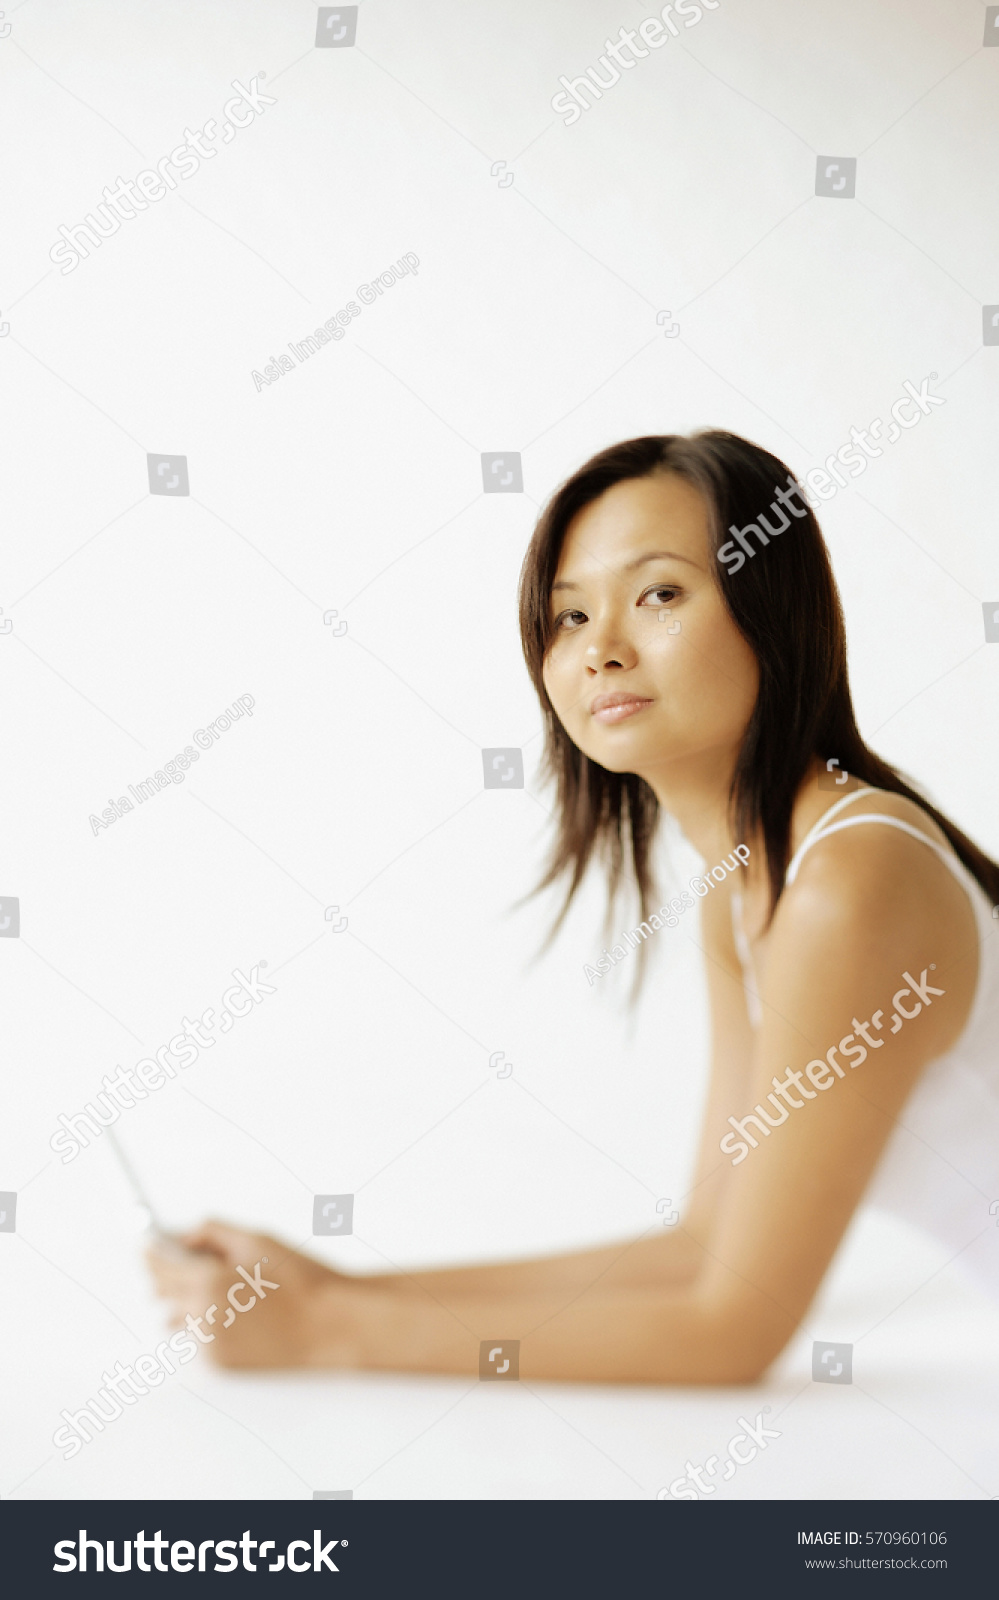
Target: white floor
x,y
918,1422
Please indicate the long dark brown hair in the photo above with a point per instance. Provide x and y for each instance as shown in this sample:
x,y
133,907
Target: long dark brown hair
x,y
785,602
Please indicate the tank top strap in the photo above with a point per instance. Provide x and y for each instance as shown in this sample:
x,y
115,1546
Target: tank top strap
x,y
821,830
754,1006
986,986
819,827
947,856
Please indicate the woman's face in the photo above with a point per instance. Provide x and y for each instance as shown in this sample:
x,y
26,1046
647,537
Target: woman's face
x,y
639,617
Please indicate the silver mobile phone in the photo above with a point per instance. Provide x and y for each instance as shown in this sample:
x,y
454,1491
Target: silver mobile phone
x,y
165,1240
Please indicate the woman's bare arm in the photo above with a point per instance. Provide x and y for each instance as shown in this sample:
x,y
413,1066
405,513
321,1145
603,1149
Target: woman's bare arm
x,y
670,1255
859,921
855,922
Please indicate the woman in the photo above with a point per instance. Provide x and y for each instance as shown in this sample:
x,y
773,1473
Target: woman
x,y
852,974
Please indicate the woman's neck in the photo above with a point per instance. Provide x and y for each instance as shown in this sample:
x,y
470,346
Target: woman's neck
x,y
697,796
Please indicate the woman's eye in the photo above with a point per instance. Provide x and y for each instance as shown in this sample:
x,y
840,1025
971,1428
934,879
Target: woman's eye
x,y
563,618
667,589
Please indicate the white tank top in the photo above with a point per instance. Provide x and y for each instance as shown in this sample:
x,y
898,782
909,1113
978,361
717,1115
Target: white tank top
x,y
940,1167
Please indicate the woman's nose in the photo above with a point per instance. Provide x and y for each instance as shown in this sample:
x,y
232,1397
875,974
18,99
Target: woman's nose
x,y
609,647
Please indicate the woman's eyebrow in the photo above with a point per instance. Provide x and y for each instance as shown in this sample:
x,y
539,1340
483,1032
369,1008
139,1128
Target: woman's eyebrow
x,y
639,561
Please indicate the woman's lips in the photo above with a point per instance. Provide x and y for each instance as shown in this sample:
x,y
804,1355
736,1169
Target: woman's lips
x,y
615,708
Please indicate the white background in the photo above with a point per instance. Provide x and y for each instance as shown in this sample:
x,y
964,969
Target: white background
x,y
354,483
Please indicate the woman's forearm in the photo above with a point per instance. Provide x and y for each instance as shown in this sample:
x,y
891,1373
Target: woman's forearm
x,y
672,1257
637,1335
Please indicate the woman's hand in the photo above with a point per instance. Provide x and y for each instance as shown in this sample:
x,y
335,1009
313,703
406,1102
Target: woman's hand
x,y
253,1302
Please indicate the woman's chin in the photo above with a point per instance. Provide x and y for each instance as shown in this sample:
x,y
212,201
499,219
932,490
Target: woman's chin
x,y
617,754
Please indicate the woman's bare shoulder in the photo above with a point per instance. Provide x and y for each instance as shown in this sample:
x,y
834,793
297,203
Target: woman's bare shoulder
x,y
863,862
887,896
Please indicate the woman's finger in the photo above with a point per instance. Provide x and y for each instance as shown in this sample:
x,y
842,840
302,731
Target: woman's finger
x,y
173,1280
227,1243
178,1272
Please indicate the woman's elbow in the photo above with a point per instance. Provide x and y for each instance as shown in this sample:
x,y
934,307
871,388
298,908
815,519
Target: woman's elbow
x,y
726,1347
